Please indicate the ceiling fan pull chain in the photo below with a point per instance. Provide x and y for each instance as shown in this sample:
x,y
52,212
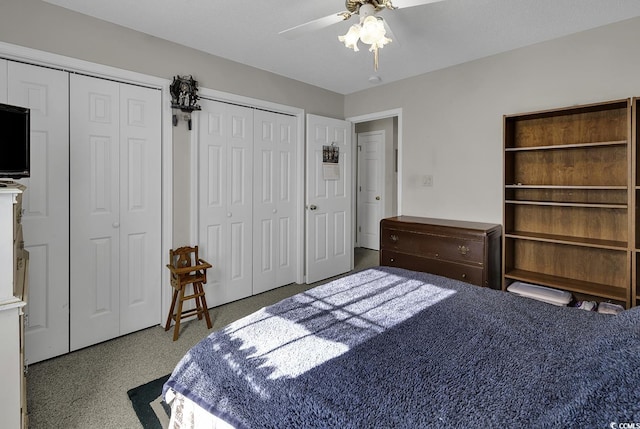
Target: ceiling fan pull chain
x,y
375,59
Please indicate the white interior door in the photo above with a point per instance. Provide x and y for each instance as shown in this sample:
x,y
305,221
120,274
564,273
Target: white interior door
x,y
275,254
46,207
225,197
329,241
370,188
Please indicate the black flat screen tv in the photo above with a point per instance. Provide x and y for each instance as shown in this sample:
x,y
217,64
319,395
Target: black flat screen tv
x,y
15,124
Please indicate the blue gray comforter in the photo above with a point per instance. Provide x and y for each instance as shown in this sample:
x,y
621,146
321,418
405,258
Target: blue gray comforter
x,y
390,348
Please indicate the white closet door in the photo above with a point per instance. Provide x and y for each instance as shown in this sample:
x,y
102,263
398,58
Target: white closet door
x,y
115,209
46,207
95,211
225,145
275,189
140,205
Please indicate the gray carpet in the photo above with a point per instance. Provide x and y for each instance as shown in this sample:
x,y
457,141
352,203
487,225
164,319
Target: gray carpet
x,y
88,389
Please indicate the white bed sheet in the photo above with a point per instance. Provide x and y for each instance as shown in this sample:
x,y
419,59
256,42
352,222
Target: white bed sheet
x,y
186,414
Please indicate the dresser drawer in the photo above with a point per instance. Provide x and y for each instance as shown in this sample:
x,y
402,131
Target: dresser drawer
x,y
467,273
446,248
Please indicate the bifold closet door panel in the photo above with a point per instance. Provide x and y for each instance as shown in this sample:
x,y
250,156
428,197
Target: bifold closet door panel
x,y
275,254
95,211
140,208
115,209
45,204
225,196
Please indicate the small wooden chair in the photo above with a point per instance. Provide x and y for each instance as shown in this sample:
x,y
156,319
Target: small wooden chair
x,y
187,268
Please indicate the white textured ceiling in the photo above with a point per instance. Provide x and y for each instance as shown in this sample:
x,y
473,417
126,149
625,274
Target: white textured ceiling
x,y
427,37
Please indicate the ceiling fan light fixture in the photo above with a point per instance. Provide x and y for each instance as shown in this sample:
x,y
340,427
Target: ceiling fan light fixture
x,y
350,39
371,31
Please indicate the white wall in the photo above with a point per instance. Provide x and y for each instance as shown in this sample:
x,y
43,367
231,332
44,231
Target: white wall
x,y
452,118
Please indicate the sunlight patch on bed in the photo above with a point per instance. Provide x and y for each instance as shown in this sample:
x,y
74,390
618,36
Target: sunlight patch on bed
x,y
233,364
328,323
295,351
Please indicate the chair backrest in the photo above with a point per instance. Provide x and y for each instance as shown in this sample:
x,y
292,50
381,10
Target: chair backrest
x,y
182,257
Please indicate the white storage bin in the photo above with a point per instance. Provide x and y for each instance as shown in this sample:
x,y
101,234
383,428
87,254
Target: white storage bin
x,y
540,293
609,308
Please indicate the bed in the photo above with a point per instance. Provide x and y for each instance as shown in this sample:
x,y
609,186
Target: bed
x,y
388,347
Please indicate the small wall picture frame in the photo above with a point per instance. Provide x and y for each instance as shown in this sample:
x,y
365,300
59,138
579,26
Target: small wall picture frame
x,y
331,162
330,154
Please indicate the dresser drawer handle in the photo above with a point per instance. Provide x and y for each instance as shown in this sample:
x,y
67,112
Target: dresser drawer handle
x,y
394,238
464,276
463,250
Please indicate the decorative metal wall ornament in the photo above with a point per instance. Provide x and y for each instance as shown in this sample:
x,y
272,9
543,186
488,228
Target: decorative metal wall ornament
x,y
184,96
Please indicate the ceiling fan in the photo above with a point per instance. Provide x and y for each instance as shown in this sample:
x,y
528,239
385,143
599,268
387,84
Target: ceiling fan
x,y
371,30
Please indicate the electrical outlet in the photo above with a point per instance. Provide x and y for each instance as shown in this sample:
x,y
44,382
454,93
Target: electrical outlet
x,y
427,180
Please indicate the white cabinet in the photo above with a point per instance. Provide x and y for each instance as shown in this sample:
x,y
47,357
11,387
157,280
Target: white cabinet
x,y
13,404
247,199
115,209
10,371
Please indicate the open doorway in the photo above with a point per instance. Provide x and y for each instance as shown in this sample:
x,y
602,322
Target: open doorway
x,y
378,139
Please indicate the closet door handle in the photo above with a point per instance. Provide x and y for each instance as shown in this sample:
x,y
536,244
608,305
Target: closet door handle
x,y
116,224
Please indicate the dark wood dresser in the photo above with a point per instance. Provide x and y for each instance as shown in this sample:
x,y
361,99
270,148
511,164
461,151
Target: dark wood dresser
x,y
467,251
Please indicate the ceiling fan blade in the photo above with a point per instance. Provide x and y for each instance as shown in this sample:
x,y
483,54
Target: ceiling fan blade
x,y
316,24
402,4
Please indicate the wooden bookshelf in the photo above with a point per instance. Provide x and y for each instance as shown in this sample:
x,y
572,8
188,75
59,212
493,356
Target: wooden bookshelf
x,y
569,213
